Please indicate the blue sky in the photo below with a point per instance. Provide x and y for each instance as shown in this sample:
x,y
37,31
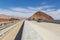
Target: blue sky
x,y
26,8
28,3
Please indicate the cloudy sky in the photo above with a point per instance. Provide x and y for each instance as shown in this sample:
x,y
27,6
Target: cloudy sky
x,y
26,8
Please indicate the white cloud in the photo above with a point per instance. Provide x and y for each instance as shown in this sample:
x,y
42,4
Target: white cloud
x,y
55,13
27,12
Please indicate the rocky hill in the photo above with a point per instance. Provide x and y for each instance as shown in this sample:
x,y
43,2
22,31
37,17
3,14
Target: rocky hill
x,y
40,16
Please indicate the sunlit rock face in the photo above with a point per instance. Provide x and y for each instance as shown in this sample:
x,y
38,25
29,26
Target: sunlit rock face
x,y
40,16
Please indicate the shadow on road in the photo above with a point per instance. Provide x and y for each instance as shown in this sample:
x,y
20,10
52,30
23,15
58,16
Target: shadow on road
x,y
19,35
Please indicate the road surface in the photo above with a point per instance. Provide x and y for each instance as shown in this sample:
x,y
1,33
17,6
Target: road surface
x,y
40,31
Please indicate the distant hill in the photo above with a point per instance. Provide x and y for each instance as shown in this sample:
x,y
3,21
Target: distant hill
x,y
40,16
6,18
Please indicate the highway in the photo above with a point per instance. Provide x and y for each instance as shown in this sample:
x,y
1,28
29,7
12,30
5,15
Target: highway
x,y
40,31
30,30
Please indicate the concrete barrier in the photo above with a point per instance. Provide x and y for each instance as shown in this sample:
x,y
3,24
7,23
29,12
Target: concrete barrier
x,y
19,34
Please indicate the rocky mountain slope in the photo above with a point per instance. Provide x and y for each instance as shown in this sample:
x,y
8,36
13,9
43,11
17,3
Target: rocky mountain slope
x,y
40,16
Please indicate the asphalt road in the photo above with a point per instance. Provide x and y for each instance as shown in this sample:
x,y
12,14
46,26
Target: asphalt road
x,y
29,33
40,31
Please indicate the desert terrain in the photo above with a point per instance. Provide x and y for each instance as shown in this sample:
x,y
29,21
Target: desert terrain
x,y
39,26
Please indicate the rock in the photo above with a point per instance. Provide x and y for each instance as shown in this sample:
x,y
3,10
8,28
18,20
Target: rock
x,y
40,16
